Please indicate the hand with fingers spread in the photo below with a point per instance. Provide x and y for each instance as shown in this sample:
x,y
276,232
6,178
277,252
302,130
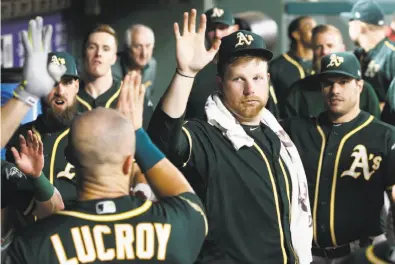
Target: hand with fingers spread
x,y
30,158
38,77
131,99
191,52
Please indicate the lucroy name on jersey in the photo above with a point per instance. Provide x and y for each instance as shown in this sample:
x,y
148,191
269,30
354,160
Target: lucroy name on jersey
x,y
144,241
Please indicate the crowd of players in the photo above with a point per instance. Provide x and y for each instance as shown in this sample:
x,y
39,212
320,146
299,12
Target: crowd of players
x,y
245,159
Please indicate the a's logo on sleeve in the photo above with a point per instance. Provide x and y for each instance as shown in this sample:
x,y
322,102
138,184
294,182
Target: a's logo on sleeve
x,y
217,12
244,39
335,61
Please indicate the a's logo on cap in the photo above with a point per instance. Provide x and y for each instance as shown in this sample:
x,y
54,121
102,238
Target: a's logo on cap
x,y
244,39
380,22
57,60
335,61
217,12
357,15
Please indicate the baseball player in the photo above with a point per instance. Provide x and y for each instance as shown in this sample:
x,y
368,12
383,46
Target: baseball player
x,y
106,224
305,97
52,127
230,157
99,87
349,159
296,63
220,23
59,110
376,52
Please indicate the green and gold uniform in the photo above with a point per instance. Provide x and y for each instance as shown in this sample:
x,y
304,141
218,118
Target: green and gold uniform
x,y
121,230
246,193
378,66
284,71
109,99
305,99
348,167
56,168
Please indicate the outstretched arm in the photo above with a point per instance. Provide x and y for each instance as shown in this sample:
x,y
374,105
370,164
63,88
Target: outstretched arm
x,y
30,160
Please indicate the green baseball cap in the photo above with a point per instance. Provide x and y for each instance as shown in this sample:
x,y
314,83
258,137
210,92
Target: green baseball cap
x,y
367,11
340,63
65,59
218,15
242,42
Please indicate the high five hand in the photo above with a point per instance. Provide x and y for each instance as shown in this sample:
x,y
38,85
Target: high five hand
x,y
191,52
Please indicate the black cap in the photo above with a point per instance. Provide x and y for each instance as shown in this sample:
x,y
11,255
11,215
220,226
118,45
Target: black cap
x,y
65,59
218,15
340,63
241,42
367,11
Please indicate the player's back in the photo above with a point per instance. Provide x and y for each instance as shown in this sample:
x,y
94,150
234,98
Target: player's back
x,y
121,230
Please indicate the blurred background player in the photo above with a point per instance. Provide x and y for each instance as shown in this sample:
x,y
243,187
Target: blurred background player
x,y
305,96
296,63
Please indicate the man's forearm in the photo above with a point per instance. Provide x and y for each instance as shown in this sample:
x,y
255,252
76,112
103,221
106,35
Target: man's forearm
x,y
12,113
175,100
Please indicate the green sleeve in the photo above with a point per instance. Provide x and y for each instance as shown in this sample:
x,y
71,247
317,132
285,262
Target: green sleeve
x,y
188,219
369,100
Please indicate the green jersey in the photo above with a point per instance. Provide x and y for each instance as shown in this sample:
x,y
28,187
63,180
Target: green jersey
x,y
348,167
378,66
57,169
109,99
284,71
121,230
244,191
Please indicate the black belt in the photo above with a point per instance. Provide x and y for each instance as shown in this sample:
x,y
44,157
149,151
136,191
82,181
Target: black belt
x,y
340,251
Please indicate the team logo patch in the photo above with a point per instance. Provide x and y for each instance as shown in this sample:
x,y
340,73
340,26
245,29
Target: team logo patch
x,y
217,12
372,69
14,173
58,60
244,39
335,61
105,207
362,160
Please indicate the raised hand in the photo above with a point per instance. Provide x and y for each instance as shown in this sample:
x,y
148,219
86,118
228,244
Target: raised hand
x,y
191,52
38,77
30,158
131,99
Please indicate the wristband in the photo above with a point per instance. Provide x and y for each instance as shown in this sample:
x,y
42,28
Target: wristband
x,y
147,154
43,189
183,74
25,96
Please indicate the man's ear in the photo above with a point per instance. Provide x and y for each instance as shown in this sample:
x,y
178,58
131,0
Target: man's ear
x,y
296,35
360,85
77,81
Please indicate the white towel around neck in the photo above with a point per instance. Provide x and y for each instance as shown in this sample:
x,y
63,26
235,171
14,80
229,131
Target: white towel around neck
x,y
301,221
